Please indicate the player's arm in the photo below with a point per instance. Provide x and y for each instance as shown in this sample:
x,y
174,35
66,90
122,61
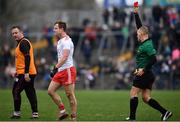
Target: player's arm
x,y
136,15
60,62
64,58
24,48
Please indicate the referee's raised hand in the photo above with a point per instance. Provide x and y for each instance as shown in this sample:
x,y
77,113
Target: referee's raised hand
x,y
136,7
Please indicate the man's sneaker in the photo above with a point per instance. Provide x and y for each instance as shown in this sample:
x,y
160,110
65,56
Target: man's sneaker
x,y
35,115
63,116
129,119
166,116
16,115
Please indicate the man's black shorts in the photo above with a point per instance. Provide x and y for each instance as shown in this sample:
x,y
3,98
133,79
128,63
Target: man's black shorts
x,y
145,81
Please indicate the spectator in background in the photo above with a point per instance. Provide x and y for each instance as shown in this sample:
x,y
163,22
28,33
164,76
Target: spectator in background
x,y
85,22
47,31
165,45
87,51
6,55
175,67
175,54
5,58
91,33
115,14
122,16
175,74
156,14
172,15
164,18
106,15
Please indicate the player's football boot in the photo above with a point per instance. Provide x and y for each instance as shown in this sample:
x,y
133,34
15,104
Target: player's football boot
x,y
16,115
166,116
73,117
63,116
129,119
35,115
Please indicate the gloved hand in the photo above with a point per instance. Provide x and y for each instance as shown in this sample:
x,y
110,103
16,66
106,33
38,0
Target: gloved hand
x,y
53,72
136,6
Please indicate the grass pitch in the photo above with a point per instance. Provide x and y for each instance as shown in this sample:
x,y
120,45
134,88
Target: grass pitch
x,y
93,106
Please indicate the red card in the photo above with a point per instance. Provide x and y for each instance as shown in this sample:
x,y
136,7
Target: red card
x,y
135,4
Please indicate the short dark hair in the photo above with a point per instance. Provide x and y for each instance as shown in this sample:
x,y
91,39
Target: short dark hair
x,y
16,26
61,24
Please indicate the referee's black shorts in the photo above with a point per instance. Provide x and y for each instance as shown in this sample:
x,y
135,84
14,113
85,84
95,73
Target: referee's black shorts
x,y
145,81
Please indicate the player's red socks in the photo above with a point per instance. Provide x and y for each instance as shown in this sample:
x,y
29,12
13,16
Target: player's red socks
x,y
61,108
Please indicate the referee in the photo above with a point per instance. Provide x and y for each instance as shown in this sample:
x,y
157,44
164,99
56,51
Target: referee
x,y
143,76
25,73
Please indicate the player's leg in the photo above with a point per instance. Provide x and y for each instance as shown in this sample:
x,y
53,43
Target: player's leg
x,y
16,92
31,95
146,96
70,93
53,87
57,99
133,102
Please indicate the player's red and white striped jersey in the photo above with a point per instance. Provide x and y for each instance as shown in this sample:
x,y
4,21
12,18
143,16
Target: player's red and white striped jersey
x,y
65,43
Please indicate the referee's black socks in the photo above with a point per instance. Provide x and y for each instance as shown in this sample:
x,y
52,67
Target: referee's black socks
x,y
154,104
133,107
